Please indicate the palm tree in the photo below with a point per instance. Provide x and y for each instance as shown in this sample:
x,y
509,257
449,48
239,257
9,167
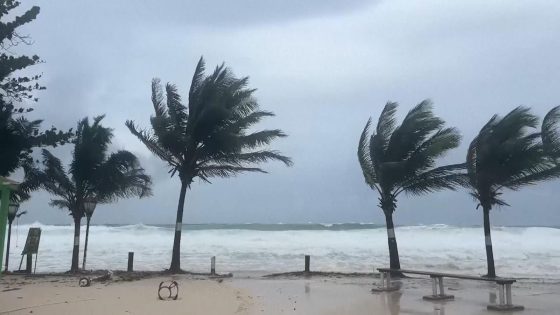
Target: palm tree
x,y
397,159
507,153
94,175
209,137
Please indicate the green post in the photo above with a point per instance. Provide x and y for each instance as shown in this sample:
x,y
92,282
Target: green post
x,y
3,217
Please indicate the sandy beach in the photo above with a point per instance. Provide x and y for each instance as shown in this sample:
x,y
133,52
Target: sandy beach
x,y
253,294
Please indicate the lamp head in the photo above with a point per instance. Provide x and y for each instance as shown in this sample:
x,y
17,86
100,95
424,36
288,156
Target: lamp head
x,y
89,206
13,209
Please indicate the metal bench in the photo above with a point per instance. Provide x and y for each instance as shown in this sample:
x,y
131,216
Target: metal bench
x,y
504,287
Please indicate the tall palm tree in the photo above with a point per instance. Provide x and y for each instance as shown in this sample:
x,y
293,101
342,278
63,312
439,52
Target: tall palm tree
x,y
94,174
507,153
209,137
397,159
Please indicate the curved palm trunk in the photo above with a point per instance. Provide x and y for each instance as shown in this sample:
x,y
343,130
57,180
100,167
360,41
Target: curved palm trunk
x,y
88,218
489,252
392,241
76,250
176,256
8,245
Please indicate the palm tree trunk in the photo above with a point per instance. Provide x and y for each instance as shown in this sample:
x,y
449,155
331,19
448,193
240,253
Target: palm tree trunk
x,y
394,262
88,218
176,256
76,250
8,245
489,252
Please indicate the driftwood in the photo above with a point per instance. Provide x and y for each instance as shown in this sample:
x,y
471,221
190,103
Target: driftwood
x,y
86,281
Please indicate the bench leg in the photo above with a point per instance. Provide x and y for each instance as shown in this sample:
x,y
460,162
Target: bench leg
x,y
386,284
508,294
506,305
438,282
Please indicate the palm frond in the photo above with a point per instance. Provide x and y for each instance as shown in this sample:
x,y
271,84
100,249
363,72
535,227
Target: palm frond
x,y
243,123
176,110
256,157
92,142
437,145
550,131
55,179
206,172
445,177
157,98
537,174
121,176
151,143
402,158
418,124
33,179
197,79
259,138
61,204
364,157
385,126
507,153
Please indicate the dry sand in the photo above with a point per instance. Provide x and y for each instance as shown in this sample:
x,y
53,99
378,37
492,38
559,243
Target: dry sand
x,y
251,294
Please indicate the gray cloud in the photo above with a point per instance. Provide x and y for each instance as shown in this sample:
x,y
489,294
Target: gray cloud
x,y
323,67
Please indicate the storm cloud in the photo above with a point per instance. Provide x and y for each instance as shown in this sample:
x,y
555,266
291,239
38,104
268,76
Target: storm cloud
x,y
324,67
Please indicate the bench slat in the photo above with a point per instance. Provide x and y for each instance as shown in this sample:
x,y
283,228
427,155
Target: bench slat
x,y
449,275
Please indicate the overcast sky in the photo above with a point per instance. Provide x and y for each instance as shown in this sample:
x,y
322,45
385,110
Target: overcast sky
x,y
324,67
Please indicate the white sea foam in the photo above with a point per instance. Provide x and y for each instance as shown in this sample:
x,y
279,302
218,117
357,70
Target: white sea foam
x,y
531,252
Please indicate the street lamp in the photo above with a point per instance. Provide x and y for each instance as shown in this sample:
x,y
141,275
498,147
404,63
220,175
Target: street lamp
x,y
12,211
89,207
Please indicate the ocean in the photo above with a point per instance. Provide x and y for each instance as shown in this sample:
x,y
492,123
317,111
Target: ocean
x,y
524,252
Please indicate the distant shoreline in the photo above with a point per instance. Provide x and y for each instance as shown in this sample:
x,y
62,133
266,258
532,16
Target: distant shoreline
x,y
288,226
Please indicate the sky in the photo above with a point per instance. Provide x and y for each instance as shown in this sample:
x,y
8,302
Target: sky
x,y
323,67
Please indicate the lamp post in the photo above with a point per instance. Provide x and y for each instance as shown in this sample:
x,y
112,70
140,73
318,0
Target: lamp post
x,y
12,211
89,207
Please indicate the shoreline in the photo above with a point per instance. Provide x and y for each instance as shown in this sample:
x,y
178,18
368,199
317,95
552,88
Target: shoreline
x,y
250,293
242,274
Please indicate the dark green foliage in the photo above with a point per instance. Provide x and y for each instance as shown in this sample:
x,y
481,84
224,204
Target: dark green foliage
x,y
18,135
94,174
397,159
508,153
16,88
209,137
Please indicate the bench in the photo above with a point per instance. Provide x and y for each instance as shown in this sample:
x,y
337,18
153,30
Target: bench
x,y
504,286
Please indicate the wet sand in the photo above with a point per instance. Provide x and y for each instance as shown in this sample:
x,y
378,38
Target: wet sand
x,y
352,296
252,294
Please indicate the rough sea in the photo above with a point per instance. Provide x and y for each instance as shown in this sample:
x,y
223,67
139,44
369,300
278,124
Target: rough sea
x,y
524,252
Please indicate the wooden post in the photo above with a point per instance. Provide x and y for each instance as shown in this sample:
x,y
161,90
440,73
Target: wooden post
x,y
29,263
213,265
307,262
130,262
